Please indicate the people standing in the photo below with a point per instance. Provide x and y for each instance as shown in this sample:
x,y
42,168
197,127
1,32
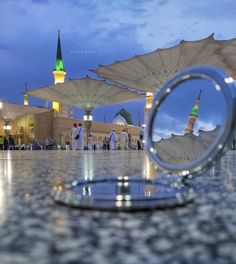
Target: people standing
x,y
46,144
234,144
139,145
141,137
5,143
123,140
35,145
73,135
108,143
130,144
11,142
104,143
113,140
80,137
1,142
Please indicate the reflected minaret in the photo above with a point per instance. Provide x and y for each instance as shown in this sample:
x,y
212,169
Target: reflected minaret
x,y
193,116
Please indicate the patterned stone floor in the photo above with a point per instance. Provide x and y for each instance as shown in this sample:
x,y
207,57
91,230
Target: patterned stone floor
x,y
33,229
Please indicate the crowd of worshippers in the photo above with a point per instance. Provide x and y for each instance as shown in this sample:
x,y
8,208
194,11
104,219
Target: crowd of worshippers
x,y
123,141
7,143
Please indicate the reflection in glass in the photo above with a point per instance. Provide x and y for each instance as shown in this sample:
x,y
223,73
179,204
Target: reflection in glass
x,y
126,193
188,121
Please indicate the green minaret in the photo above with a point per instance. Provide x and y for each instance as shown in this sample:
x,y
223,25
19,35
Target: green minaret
x,y
195,108
59,62
193,116
59,77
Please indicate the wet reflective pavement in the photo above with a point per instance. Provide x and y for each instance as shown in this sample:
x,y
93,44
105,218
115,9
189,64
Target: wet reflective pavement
x,y
33,229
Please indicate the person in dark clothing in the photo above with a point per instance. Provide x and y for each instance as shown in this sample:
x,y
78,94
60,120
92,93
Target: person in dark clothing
x,y
35,145
139,145
5,143
1,142
234,144
108,143
141,137
104,146
11,142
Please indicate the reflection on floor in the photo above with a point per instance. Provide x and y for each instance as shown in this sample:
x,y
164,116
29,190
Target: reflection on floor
x,y
33,229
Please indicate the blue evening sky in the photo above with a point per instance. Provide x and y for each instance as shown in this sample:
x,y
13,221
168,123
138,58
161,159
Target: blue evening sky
x,y
97,32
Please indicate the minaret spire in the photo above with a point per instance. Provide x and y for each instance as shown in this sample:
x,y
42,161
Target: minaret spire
x,y
59,61
199,96
59,77
193,116
26,87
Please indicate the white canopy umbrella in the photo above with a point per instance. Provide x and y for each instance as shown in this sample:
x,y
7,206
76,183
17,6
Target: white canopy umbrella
x,y
10,112
150,71
179,149
86,93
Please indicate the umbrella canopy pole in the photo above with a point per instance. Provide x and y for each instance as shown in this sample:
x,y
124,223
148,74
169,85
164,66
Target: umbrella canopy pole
x,y
88,119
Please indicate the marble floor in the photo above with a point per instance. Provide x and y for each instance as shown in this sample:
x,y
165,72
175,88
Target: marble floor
x,y
33,229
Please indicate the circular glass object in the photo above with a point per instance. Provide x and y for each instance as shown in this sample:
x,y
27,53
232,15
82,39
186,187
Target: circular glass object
x,y
124,193
187,128
191,120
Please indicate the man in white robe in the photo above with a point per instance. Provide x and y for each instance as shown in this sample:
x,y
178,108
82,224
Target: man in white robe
x,y
123,140
73,135
80,140
113,140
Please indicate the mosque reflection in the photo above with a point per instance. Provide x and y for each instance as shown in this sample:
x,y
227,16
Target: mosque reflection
x,y
179,143
119,192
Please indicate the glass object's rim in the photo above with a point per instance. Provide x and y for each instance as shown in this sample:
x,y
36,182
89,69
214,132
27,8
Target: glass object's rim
x,y
204,72
174,195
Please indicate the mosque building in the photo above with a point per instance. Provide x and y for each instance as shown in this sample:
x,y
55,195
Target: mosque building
x,y
122,117
56,123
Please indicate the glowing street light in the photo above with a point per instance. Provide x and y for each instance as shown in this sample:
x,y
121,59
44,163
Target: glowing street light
x,y
149,98
7,127
88,117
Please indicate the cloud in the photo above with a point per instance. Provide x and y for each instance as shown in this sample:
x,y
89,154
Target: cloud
x,y
165,133
190,20
109,30
165,125
149,25
205,126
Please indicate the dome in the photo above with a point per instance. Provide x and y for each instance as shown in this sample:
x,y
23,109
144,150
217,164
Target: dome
x,y
126,115
119,120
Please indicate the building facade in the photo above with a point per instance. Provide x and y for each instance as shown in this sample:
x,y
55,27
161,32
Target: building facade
x,y
49,125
